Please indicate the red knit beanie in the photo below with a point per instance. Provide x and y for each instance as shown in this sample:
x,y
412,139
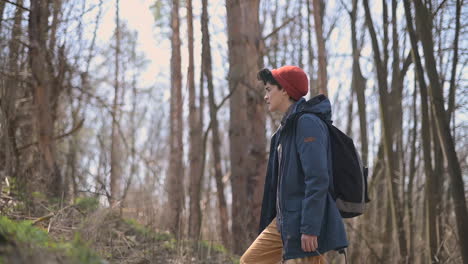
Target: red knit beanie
x,y
293,79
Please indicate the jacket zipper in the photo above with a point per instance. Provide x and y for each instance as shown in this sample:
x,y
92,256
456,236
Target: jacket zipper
x,y
278,190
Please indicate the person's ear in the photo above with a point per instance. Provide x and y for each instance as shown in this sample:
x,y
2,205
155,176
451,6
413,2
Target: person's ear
x,y
283,92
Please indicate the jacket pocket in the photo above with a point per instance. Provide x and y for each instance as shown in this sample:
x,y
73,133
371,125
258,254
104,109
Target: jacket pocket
x,y
292,219
293,205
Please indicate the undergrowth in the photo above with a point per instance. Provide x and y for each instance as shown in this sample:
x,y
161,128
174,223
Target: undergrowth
x,y
84,232
23,233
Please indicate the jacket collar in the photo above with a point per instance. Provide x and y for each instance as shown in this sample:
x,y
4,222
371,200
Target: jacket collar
x,y
292,110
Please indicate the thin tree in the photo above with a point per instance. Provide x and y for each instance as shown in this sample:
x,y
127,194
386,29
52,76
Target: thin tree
x,y
310,52
424,25
175,183
319,10
10,91
425,129
358,86
2,8
115,158
392,167
216,141
358,83
195,134
451,102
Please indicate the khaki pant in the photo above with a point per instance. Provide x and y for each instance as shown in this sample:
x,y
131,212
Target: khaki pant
x,y
268,249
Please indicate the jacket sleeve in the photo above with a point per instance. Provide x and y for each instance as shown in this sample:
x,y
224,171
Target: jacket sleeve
x,y
312,146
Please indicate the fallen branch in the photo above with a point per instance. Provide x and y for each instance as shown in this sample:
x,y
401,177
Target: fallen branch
x,y
52,214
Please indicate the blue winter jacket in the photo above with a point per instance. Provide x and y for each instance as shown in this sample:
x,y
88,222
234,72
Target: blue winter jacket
x,y
299,181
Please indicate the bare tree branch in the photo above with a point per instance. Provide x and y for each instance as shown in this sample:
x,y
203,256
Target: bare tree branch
x,y
15,4
285,23
73,130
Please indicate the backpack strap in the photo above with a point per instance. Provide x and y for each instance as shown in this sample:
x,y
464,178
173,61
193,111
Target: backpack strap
x,y
331,187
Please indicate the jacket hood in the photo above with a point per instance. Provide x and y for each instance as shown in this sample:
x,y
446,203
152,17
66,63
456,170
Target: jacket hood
x,y
319,105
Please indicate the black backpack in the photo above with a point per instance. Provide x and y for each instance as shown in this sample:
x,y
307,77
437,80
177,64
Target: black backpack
x,y
349,174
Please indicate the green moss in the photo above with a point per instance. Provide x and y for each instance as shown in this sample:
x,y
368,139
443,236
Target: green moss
x,y
213,246
23,232
163,236
235,260
146,232
38,195
87,204
80,252
170,244
137,227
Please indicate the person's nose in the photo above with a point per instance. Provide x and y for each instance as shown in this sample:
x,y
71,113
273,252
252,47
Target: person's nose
x,y
265,98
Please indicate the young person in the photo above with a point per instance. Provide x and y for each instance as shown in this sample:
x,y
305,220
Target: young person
x,y
299,218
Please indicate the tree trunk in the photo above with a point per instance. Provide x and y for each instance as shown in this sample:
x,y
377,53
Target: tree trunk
x,y
425,130
424,25
256,111
195,134
50,179
175,176
451,99
2,8
349,110
396,130
411,176
318,6
10,89
437,193
387,235
216,141
115,159
358,84
391,168
312,84
247,140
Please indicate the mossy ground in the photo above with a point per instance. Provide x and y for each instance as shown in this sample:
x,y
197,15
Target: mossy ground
x,y
20,241
84,233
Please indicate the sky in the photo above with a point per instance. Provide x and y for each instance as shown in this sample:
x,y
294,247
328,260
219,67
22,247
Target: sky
x,y
155,43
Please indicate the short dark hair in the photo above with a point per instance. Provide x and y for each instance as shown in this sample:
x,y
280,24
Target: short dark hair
x,y
266,76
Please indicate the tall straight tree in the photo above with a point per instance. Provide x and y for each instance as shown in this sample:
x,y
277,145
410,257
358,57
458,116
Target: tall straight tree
x,y
195,134
451,103
247,120
310,52
10,91
115,166
175,183
319,11
425,134
358,86
2,8
215,135
358,83
392,167
424,21
50,179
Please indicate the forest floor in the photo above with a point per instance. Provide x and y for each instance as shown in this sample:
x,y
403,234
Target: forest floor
x,y
84,233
